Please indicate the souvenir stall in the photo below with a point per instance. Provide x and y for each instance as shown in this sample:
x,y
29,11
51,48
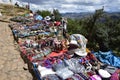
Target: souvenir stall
x,y
54,58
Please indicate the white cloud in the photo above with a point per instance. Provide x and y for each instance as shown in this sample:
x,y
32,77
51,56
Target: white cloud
x,y
94,1
71,1
68,6
4,1
71,5
8,1
1,1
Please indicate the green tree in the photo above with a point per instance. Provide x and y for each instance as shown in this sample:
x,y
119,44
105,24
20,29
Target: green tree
x,y
74,26
107,32
101,29
44,13
57,15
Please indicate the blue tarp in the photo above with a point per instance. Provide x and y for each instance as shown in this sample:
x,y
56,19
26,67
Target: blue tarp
x,y
108,58
38,17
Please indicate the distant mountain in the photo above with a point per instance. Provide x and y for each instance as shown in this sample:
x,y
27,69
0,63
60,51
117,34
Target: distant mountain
x,y
76,15
114,15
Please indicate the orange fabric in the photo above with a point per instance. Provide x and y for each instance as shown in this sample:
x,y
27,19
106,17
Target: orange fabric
x,y
55,54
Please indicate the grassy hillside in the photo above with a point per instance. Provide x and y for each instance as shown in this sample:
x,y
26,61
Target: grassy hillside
x,y
9,11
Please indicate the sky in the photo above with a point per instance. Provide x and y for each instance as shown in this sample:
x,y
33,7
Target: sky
x,y
70,5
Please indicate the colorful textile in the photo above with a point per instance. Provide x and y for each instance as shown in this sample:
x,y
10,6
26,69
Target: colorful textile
x,y
75,66
55,54
51,77
115,76
95,77
108,58
64,73
38,17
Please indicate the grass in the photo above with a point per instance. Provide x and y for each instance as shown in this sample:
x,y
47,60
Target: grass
x,y
10,10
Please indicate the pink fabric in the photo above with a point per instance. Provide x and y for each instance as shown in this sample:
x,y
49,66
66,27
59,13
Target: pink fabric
x,y
115,76
95,77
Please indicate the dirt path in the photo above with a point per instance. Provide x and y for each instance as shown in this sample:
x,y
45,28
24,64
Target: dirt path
x,y
11,63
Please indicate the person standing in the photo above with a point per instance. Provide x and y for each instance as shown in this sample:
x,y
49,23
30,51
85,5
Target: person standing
x,y
64,25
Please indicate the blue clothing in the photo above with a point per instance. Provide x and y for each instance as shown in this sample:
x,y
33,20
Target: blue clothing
x,y
38,17
108,58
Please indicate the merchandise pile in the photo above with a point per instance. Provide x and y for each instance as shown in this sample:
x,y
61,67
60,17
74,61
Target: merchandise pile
x,y
52,56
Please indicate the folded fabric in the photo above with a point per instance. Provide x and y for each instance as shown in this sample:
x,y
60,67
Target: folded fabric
x,y
45,71
64,73
95,77
37,56
59,66
47,51
77,77
47,63
115,75
84,76
51,77
110,69
35,27
75,66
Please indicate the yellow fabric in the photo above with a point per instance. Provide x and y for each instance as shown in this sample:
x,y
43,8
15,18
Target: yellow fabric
x,y
87,50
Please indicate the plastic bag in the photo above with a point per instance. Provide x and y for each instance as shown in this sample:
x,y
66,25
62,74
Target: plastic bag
x,y
64,73
59,66
45,71
75,66
110,69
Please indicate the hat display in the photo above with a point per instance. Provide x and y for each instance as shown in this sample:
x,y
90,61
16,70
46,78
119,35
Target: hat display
x,y
104,73
80,52
47,18
73,42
